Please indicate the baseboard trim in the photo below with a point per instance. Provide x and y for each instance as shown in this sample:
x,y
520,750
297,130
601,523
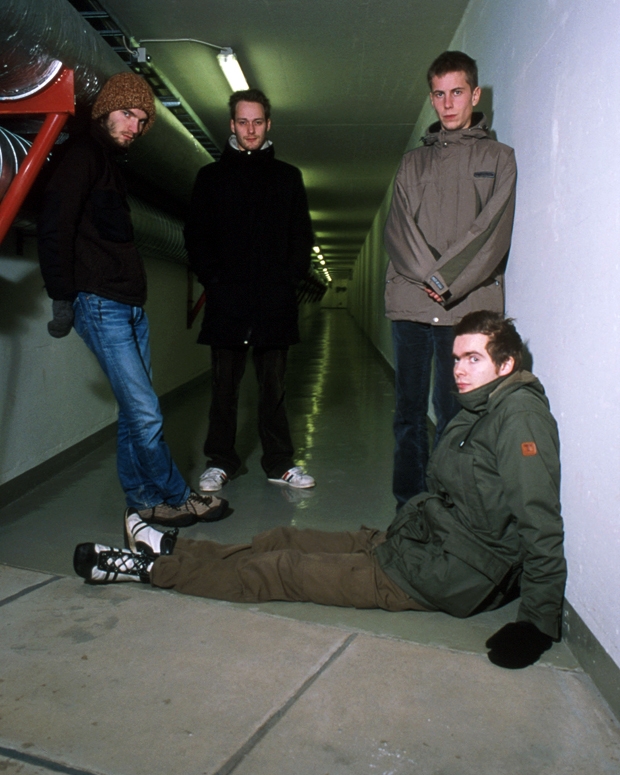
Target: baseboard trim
x,y
13,489
592,657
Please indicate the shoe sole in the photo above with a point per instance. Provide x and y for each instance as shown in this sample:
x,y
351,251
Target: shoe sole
x,y
294,486
184,520
214,488
216,514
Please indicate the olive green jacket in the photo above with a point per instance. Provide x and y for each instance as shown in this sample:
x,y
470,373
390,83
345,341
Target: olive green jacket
x,y
450,225
490,522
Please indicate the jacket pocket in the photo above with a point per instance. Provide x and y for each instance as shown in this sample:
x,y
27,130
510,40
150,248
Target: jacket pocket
x,y
463,545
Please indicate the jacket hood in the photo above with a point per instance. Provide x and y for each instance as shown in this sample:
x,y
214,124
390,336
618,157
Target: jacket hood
x,y
493,393
479,128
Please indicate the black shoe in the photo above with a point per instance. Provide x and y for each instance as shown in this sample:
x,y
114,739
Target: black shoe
x,y
100,564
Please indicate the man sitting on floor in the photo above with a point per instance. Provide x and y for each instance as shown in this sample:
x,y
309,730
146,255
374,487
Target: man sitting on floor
x,y
488,529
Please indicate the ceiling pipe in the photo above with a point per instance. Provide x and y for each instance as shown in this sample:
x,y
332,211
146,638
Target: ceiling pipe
x,y
33,34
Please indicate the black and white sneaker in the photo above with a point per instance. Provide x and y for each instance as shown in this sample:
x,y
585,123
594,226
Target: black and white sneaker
x,y
100,564
139,536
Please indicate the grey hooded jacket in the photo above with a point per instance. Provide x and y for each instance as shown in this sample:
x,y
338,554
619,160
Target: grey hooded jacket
x,y
450,225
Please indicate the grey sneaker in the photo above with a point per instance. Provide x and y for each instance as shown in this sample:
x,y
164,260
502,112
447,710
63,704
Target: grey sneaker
x,y
197,508
205,508
295,477
168,516
212,479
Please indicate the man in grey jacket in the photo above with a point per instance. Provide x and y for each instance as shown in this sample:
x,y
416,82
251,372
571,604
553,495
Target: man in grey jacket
x,y
447,235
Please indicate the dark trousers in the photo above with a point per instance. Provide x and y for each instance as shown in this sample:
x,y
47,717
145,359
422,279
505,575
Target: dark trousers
x,y
417,346
285,564
228,367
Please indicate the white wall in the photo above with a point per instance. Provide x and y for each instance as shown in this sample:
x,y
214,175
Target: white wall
x,y
53,393
552,69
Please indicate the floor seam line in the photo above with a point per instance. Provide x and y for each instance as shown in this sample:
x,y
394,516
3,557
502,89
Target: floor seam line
x,y
40,761
236,759
28,590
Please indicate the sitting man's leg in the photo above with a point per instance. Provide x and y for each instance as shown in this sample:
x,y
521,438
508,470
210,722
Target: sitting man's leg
x,y
348,579
276,566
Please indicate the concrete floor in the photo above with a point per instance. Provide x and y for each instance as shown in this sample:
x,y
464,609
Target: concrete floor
x,y
126,679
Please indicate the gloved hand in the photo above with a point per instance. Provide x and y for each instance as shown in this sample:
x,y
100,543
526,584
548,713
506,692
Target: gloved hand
x,y
517,645
62,322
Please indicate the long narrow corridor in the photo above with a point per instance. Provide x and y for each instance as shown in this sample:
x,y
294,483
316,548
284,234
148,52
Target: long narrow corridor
x,y
89,672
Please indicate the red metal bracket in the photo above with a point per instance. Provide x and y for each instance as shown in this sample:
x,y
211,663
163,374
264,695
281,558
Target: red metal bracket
x,y
57,101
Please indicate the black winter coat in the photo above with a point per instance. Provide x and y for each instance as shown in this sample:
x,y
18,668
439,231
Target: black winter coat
x,y
249,240
85,231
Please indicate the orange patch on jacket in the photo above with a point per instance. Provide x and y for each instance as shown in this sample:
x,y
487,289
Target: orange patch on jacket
x,y
528,448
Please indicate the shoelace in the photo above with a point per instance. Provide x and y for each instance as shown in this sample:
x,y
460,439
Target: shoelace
x,y
119,561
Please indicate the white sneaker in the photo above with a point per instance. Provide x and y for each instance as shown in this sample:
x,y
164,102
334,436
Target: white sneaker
x,y
212,479
295,477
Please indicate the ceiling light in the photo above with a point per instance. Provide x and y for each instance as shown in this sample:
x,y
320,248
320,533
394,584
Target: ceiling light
x,y
232,70
316,249
227,59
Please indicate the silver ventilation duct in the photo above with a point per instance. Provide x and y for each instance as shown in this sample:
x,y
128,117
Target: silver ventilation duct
x,y
35,33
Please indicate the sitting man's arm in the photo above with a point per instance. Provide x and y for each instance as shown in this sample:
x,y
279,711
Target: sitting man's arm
x,y
528,460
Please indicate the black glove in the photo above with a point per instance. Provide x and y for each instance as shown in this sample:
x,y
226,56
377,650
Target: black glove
x,y
517,645
62,322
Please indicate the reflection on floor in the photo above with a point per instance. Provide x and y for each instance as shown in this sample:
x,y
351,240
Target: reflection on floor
x,y
340,402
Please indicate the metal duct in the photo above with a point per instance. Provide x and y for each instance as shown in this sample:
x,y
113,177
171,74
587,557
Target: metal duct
x,y
157,234
34,33
13,149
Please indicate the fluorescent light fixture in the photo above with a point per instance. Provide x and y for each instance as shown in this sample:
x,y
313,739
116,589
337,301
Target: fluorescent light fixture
x,y
230,67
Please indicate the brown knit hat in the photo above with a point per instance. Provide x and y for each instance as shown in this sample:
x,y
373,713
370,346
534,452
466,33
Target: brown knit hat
x,y
124,91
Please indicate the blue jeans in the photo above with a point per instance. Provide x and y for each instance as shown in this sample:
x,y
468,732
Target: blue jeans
x,y
118,335
415,346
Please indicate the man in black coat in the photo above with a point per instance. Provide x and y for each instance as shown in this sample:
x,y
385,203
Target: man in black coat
x,y
249,240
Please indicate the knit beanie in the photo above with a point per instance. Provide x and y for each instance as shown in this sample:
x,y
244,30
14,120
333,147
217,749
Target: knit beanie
x,y
124,91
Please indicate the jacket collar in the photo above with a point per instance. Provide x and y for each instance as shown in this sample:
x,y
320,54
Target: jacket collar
x,y
232,141
437,136
101,135
483,398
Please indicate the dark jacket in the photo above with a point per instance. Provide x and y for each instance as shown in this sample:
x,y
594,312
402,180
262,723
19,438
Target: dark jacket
x,y
449,226
249,240
490,521
84,230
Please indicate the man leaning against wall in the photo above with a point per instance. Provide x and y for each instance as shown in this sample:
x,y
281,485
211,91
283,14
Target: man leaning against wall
x,y
447,236
96,279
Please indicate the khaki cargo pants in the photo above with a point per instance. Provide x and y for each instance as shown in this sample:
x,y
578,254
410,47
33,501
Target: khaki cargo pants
x,y
285,564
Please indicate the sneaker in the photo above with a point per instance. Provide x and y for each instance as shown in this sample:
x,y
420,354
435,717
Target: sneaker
x,y
295,477
168,516
205,508
212,479
197,508
139,537
100,564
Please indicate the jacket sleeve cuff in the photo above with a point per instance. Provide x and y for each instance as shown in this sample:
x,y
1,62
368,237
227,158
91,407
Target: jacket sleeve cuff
x,y
436,283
